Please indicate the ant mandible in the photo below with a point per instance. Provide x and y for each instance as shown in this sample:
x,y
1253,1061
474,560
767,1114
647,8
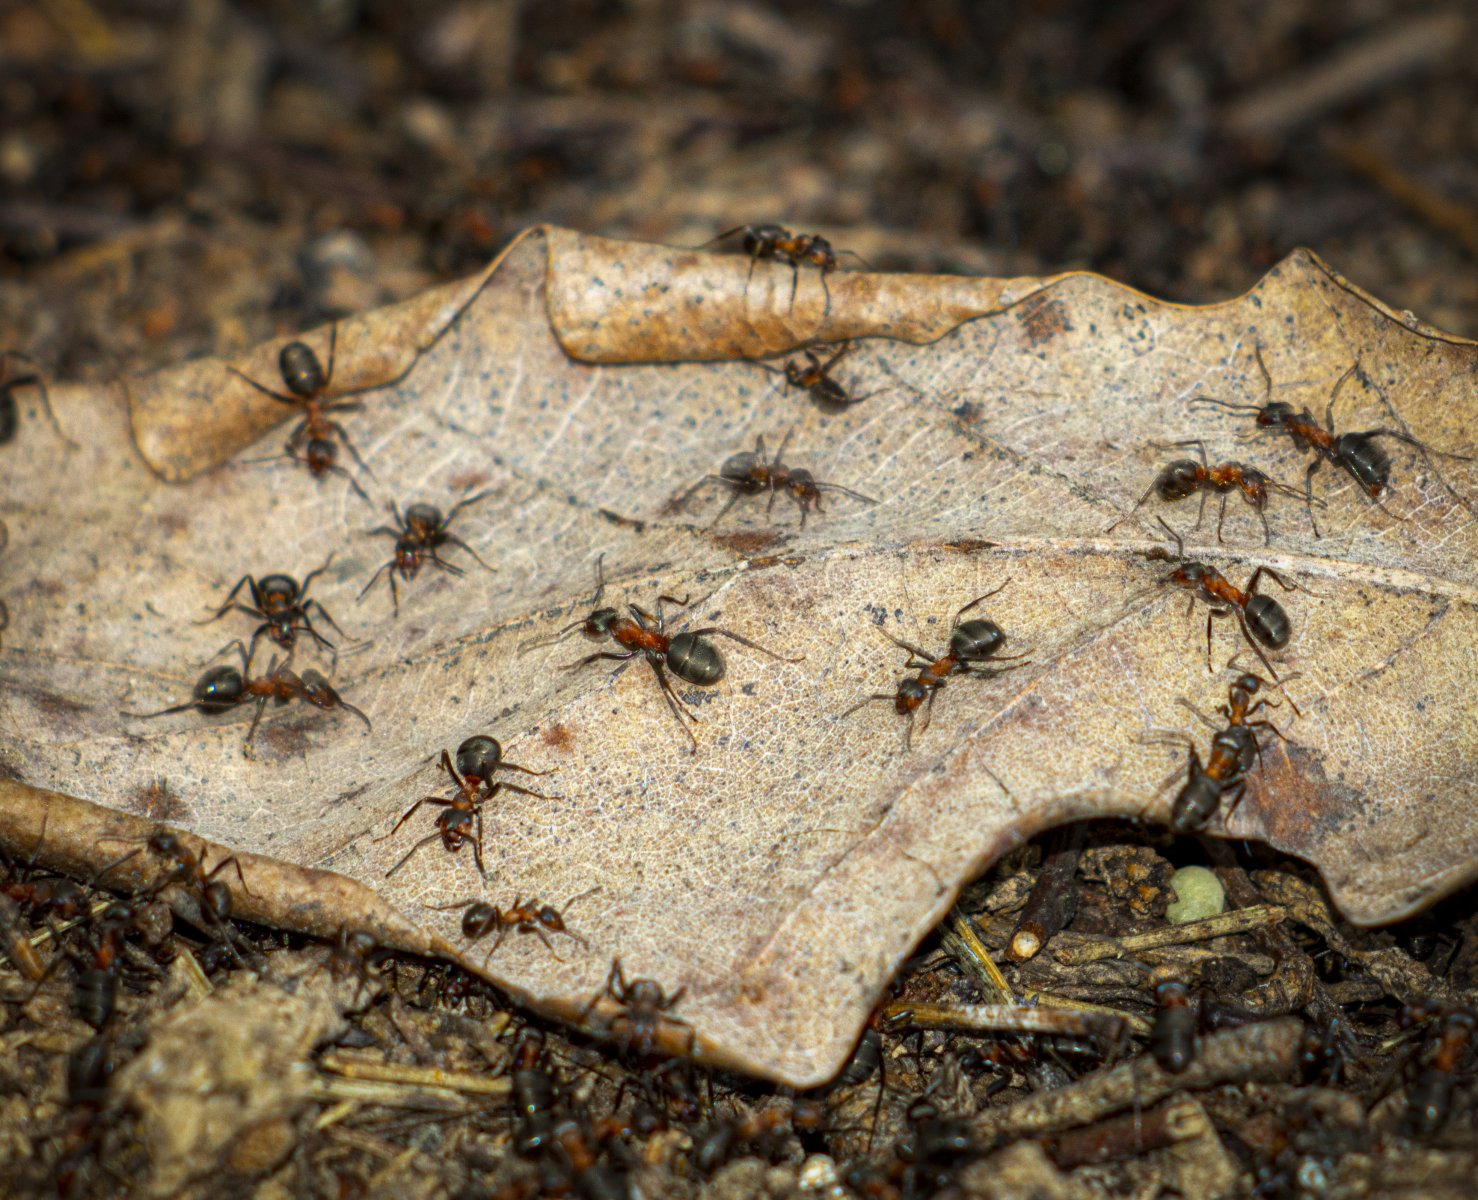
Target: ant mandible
x,y
418,535
1186,476
461,819
480,919
1261,618
223,688
970,643
1357,453
282,605
688,655
306,381
748,474
12,383
775,242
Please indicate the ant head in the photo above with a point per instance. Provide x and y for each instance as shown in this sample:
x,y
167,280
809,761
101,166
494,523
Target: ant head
x,y
1274,415
455,825
1172,993
644,993
317,690
301,370
478,757
911,693
164,843
423,520
976,639
1251,684
821,254
598,624
322,454
218,689
1178,479
277,592
740,468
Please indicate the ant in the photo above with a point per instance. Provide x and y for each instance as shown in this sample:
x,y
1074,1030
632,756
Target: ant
x,y
1173,1036
1357,453
223,688
645,1008
970,644
1430,1100
712,1150
306,382
481,918
776,242
688,655
1185,476
534,1092
1261,618
418,535
12,383
1234,749
576,1153
748,474
814,376
282,605
477,758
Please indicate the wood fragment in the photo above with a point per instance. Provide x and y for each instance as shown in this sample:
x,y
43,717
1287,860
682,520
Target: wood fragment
x,y
355,1067
1005,1018
1128,1136
1134,1021
1054,899
1265,1052
1239,920
960,939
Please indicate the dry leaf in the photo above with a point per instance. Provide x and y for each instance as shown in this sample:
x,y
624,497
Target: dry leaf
x,y
781,872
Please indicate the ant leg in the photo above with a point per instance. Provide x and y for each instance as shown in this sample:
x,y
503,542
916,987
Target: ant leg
x,y
590,658
405,858
1281,582
449,567
1309,493
1251,641
795,281
1138,504
1200,716
477,846
349,446
503,784
1220,517
324,613
456,541
1201,512
222,865
683,603
733,500
866,701
231,601
508,766
1234,794
408,814
266,391
333,345
826,290
256,720
679,709
677,503
966,608
744,641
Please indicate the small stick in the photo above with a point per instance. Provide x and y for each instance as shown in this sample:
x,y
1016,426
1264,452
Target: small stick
x,y
1054,899
1267,1052
1004,1018
1239,920
961,941
375,1071
1129,1136
1136,1023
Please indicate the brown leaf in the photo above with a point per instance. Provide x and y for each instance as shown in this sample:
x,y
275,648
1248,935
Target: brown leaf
x,y
781,872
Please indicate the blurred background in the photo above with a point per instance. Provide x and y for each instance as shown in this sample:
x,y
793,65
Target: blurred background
x,y
189,176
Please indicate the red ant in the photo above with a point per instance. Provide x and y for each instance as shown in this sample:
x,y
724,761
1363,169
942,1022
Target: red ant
x,y
712,1150
970,644
1261,618
477,758
1430,1100
481,918
282,606
223,688
306,382
688,655
1234,749
418,535
775,242
748,474
645,1009
1173,1036
576,1151
12,383
1357,453
1185,476
814,376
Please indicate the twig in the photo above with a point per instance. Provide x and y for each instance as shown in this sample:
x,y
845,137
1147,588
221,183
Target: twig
x,y
1265,1052
959,938
1054,899
1239,920
1129,1136
1004,1018
1134,1021
356,1068
1445,213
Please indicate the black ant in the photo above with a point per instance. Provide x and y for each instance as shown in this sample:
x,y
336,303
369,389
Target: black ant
x,y
970,643
1186,476
461,819
307,381
1430,1099
418,535
534,1092
1261,618
282,606
223,688
645,1009
12,383
481,918
776,242
748,474
1173,1036
688,655
1357,453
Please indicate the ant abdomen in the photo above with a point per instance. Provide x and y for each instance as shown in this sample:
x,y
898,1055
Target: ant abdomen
x,y
1178,479
975,640
479,756
1363,457
301,369
218,690
695,659
1268,622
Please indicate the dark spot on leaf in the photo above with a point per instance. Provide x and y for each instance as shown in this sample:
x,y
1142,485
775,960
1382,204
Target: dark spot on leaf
x,y
160,802
746,542
1043,321
558,737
